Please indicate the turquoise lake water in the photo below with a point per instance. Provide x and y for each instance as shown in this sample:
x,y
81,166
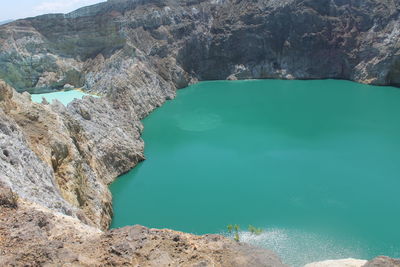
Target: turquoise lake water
x,y
64,97
314,163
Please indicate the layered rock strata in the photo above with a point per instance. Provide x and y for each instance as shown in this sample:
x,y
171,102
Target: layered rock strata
x,y
166,44
64,158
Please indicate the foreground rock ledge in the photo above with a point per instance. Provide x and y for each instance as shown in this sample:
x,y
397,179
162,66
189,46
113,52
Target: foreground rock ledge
x,y
31,235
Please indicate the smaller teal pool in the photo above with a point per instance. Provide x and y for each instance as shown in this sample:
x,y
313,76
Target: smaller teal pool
x,y
64,97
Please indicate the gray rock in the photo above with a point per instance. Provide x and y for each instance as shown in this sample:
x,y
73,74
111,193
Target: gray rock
x,y
23,172
171,43
73,153
383,262
68,86
34,236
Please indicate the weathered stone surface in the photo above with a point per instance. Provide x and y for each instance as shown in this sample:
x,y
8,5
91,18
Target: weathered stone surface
x,y
78,151
20,168
34,236
383,262
176,42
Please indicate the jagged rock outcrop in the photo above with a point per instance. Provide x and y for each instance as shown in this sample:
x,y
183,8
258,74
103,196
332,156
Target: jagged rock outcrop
x,y
383,262
69,155
21,170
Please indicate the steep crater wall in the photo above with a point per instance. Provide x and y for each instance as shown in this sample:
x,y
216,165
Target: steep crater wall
x,y
302,39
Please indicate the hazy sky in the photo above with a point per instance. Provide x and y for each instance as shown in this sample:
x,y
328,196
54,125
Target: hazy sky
x,y
15,9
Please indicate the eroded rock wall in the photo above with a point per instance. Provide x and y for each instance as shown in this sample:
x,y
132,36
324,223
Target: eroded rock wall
x,y
176,42
65,157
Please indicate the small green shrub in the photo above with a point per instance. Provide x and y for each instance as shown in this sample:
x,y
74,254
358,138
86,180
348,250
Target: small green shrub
x,y
235,230
255,230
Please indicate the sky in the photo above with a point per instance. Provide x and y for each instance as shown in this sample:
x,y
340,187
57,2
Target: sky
x,y
16,9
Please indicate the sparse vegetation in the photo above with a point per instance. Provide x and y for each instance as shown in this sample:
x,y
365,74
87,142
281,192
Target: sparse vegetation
x,y
234,229
255,230
237,238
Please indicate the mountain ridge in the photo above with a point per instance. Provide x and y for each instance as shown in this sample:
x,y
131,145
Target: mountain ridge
x,y
294,39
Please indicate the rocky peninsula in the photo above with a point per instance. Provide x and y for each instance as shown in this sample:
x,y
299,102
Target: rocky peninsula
x,y
56,161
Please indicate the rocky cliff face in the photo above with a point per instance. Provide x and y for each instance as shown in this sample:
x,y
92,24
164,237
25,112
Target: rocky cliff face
x,y
64,158
179,41
59,160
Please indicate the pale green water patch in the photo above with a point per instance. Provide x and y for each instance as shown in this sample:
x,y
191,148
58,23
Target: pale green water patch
x,y
64,97
315,163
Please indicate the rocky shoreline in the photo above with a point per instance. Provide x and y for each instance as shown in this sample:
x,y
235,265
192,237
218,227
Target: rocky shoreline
x,y
56,162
